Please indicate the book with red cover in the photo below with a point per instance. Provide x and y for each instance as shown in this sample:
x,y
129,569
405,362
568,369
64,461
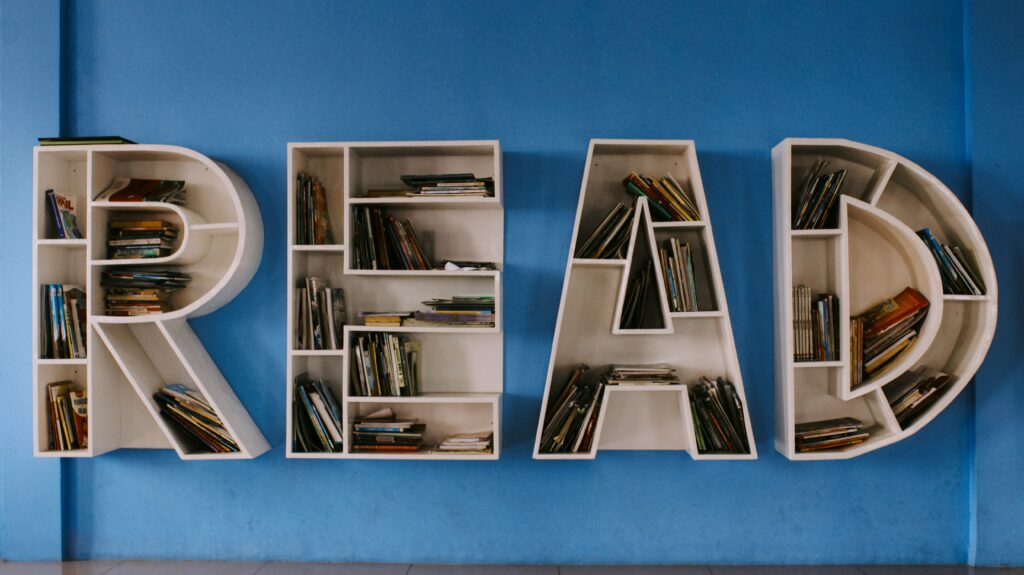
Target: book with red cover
x,y
892,311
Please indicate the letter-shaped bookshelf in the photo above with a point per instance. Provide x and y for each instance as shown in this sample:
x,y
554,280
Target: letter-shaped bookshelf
x,y
872,255
461,368
220,242
588,329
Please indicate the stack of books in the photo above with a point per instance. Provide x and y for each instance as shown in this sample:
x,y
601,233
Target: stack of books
x,y
814,209
457,311
63,322
383,432
442,185
68,411
641,374
815,325
384,318
188,411
382,242
385,364
134,239
677,269
912,393
140,190
478,443
84,141
885,332
320,315
609,241
829,434
637,293
718,420
62,210
312,224
571,421
958,277
140,291
668,200
317,418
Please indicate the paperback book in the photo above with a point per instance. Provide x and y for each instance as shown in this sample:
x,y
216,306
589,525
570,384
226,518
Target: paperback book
x,y
188,411
680,281
319,315
477,443
133,292
68,416
383,432
63,215
312,223
718,421
958,275
129,238
316,424
385,364
609,241
815,326
912,393
638,292
668,200
571,419
885,332
816,199
382,242
829,434
63,322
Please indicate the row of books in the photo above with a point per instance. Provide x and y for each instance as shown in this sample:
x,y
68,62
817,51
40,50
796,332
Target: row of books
x,y
382,242
438,186
142,291
319,315
129,238
814,208
641,374
611,238
383,432
143,190
829,434
188,411
668,200
883,333
68,415
815,325
62,323
571,420
677,269
718,421
634,308
62,213
386,364
958,277
316,425
312,222
912,393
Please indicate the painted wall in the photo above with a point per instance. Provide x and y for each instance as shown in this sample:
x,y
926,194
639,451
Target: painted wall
x,y
996,139
238,83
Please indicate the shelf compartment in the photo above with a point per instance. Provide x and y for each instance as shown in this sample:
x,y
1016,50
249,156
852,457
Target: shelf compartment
x,y
190,247
642,254
461,235
442,419
60,265
66,173
327,163
408,292
330,369
866,171
450,363
702,268
885,257
427,203
379,165
51,373
645,418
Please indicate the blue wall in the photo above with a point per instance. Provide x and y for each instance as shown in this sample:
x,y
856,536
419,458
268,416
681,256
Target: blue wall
x,y
543,77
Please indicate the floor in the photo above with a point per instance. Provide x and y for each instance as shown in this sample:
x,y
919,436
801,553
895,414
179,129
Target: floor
x,y
217,568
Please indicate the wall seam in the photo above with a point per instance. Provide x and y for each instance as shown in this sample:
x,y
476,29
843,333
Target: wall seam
x,y
972,442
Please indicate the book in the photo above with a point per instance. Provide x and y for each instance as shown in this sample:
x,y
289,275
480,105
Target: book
x,y
139,239
958,276
475,443
667,198
383,432
641,374
456,311
84,141
143,190
816,326
319,315
140,291
439,185
913,392
883,333
676,260
816,198
67,416
65,220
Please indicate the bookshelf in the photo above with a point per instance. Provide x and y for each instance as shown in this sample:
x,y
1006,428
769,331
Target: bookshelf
x,y
871,255
588,330
129,358
461,368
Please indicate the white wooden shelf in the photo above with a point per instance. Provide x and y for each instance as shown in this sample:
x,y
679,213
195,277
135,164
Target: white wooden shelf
x,y
461,368
587,329
872,255
130,358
